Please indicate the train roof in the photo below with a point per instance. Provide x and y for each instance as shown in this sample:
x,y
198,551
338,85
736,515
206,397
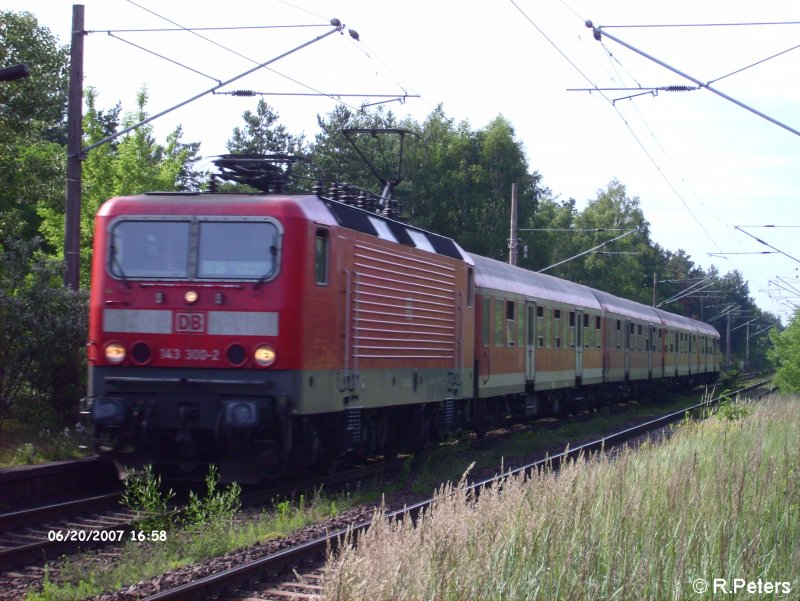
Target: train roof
x,y
497,275
679,321
627,308
317,208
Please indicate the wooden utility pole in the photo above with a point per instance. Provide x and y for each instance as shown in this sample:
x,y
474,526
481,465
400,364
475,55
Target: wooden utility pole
x,y
512,241
655,283
72,226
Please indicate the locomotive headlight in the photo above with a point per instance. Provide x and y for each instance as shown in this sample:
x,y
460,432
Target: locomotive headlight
x,y
241,414
264,355
190,297
114,352
108,411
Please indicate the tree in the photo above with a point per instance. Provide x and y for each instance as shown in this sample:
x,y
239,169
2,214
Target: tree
x,y
134,164
786,354
42,333
262,134
32,125
611,214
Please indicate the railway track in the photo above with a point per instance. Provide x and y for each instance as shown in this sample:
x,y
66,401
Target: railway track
x,y
37,534
31,536
27,486
41,533
297,572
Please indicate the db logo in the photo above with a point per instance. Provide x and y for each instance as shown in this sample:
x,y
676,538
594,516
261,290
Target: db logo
x,y
190,322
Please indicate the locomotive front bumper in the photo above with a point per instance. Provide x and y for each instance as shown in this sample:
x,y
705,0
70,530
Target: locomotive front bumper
x,y
193,413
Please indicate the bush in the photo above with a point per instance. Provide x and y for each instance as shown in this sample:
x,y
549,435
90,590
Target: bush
x,y
217,506
786,355
43,329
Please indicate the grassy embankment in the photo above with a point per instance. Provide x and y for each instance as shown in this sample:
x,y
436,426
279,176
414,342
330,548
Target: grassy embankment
x,y
719,500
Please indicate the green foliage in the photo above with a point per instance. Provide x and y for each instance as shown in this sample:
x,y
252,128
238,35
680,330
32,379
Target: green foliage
x,y
786,355
134,164
42,333
31,123
26,454
143,493
262,134
38,100
216,506
731,410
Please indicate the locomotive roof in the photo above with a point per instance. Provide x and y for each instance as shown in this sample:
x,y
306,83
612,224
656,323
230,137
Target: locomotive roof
x,y
317,208
490,273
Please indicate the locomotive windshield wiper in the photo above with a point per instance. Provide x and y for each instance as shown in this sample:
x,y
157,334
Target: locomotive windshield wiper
x,y
115,261
273,251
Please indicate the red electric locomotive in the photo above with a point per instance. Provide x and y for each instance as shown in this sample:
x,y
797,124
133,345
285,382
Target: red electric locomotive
x,y
262,331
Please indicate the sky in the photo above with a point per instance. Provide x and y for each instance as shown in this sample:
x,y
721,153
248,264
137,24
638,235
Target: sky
x,y
706,170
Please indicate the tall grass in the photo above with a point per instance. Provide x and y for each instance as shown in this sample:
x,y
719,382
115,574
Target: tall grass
x,y
719,500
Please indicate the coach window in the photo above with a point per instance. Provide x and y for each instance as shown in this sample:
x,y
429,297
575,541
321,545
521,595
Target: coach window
x,y
557,327
540,326
321,257
487,321
587,333
619,334
572,329
499,325
470,287
510,322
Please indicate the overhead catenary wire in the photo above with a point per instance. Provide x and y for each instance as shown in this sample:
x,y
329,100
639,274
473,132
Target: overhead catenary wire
x,y
599,33
764,60
234,52
624,120
191,29
588,251
337,27
166,58
674,25
757,239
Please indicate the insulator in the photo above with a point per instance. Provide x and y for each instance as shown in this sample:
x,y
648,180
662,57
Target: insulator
x,y
333,190
678,88
243,93
317,188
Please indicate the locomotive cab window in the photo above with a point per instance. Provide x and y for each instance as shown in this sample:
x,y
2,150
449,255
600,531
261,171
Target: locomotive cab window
x,y
189,248
321,257
149,248
237,250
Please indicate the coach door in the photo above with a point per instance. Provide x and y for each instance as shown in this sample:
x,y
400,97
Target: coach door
x,y
628,343
578,345
651,338
530,341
